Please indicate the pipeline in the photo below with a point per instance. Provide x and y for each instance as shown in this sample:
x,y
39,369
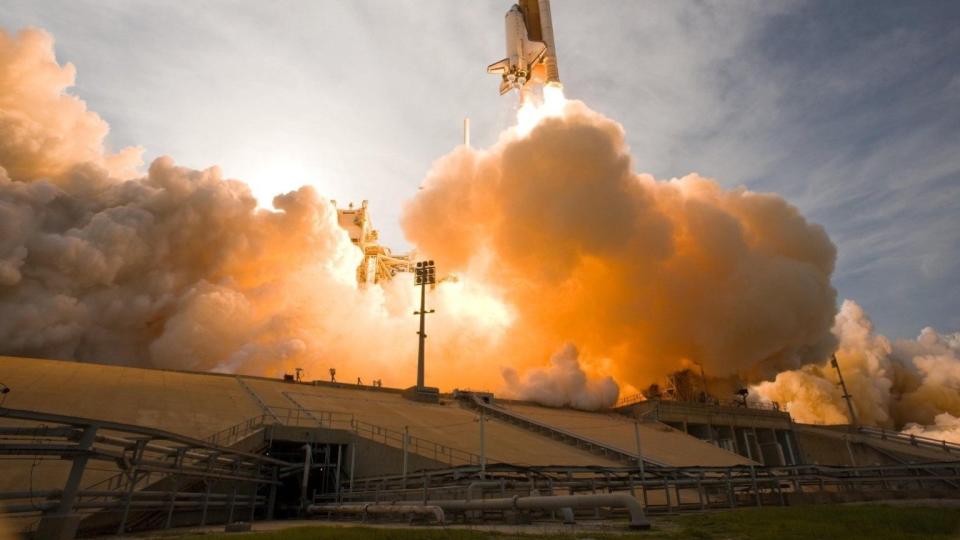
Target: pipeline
x,y
638,519
480,484
365,509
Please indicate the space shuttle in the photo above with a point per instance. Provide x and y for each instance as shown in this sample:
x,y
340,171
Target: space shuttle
x,y
531,54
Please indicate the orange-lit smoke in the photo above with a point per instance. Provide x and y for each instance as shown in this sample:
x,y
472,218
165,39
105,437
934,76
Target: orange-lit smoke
x,y
178,268
643,276
573,268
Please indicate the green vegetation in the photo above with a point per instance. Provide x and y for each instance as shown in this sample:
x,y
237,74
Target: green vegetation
x,y
876,522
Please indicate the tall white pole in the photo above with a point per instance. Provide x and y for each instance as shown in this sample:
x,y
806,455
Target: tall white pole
x,y
636,435
307,464
643,476
483,453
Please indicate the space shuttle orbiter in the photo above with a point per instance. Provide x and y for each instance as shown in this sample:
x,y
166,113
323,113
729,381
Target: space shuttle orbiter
x,y
531,54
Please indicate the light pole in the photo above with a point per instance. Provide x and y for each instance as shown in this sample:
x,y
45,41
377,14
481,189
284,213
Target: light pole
x,y
425,273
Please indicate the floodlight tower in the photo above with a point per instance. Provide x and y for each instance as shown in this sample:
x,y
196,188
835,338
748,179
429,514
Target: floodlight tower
x,y
425,273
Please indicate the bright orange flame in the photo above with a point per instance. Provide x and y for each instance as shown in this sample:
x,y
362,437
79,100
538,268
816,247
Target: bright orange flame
x,y
531,113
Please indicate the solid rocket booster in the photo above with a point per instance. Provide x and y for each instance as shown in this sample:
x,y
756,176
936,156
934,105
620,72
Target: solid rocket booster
x,y
542,20
531,52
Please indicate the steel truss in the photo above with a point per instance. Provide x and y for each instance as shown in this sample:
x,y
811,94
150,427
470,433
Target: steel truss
x,y
159,473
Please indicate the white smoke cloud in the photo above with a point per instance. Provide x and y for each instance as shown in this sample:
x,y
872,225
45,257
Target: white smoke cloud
x,y
556,239
904,384
178,268
945,427
563,384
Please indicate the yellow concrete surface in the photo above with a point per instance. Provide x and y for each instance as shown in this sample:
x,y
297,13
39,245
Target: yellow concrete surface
x,y
447,424
657,441
192,404
199,404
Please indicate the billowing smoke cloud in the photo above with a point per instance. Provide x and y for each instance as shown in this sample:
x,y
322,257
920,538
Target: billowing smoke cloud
x,y
946,427
554,236
563,384
650,275
912,384
178,268
44,132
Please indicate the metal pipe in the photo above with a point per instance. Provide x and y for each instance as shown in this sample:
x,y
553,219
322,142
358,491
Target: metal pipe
x,y
555,502
481,484
406,452
70,489
307,462
483,450
375,509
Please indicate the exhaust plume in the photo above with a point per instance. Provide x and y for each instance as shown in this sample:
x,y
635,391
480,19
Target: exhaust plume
x,y
178,268
563,384
647,275
912,385
558,243
556,239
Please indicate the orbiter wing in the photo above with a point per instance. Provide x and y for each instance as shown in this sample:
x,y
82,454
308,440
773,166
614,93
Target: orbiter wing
x,y
501,67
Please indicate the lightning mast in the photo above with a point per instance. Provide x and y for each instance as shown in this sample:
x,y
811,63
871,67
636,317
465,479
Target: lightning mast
x,y
846,395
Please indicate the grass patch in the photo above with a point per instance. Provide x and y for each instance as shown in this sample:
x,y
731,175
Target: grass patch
x,y
364,533
876,522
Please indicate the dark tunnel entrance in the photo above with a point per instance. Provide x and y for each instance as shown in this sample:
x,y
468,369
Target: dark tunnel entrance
x,y
322,481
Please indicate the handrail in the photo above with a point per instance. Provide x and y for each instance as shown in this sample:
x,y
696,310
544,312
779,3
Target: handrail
x,y
917,441
476,401
151,433
340,420
229,435
634,399
911,439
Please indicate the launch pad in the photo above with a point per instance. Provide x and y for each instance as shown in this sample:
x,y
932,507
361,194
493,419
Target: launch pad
x,y
175,448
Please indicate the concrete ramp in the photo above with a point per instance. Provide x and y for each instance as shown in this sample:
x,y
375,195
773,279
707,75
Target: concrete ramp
x,y
659,443
446,423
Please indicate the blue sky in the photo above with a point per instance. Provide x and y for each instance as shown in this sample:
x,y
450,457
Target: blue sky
x,y
850,109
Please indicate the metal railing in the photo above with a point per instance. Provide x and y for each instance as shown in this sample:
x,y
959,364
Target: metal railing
x,y
913,440
441,453
570,437
142,456
634,399
302,417
672,489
